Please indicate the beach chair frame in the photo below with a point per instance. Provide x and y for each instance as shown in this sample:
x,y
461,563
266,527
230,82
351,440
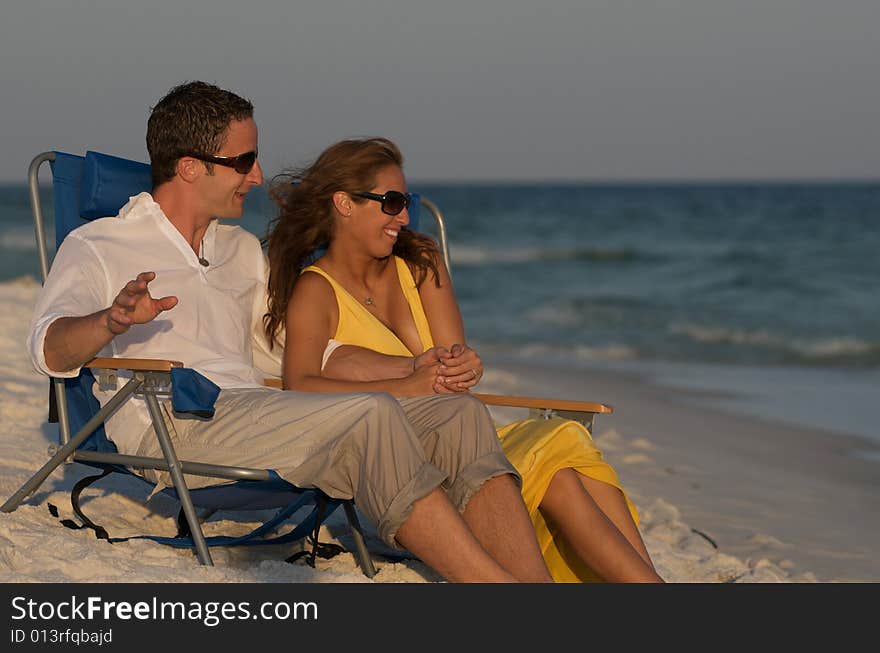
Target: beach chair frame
x,y
151,379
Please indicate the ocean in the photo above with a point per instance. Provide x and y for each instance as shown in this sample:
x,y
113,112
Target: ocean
x,y
755,289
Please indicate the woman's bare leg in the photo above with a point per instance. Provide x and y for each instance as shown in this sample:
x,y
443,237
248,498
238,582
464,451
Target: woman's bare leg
x,y
591,533
611,502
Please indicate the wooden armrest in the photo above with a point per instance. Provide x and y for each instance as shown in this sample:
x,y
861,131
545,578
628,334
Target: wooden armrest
x,y
517,402
541,403
135,364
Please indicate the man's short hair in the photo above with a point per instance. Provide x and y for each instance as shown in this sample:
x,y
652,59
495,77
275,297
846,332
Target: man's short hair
x,y
192,118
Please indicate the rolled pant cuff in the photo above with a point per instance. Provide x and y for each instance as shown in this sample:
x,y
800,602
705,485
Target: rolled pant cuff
x,y
471,478
422,483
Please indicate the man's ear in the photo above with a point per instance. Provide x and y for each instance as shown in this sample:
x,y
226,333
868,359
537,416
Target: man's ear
x,y
189,169
342,202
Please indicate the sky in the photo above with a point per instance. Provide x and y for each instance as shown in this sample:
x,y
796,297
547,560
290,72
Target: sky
x,y
471,90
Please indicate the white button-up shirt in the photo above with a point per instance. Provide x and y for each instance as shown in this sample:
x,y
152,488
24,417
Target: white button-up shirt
x,y
216,327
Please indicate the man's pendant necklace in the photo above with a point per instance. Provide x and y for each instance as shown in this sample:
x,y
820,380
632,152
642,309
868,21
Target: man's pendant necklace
x,y
202,260
369,301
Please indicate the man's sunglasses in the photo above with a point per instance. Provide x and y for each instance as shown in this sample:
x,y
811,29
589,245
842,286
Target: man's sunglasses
x,y
243,163
393,202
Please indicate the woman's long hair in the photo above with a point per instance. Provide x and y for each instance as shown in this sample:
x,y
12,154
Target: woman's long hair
x,y
305,221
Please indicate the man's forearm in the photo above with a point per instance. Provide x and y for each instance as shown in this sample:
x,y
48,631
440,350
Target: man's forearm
x,y
72,341
351,363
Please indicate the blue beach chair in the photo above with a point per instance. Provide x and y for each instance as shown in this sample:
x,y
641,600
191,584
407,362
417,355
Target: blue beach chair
x,y
98,185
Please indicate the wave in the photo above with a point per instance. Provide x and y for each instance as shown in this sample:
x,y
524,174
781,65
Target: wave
x,y
608,353
833,349
838,348
474,255
18,238
724,335
536,350
558,315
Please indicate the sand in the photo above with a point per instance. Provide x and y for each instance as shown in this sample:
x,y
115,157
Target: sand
x,y
805,500
723,497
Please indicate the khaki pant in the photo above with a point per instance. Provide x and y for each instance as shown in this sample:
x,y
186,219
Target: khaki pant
x,y
382,452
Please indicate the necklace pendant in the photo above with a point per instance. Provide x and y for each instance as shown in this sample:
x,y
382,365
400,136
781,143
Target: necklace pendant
x,y
369,301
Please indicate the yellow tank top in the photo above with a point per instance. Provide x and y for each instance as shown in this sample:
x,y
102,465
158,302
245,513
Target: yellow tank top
x,y
357,326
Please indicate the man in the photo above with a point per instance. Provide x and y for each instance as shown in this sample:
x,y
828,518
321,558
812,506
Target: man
x,y
164,280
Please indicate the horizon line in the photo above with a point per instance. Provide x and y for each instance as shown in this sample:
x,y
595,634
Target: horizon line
x,y
621,181
648,180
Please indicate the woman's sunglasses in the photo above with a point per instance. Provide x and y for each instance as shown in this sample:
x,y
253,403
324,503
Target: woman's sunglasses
x,y
393,202
242,164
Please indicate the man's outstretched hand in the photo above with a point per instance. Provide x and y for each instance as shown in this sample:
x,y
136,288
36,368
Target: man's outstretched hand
x,y
135,305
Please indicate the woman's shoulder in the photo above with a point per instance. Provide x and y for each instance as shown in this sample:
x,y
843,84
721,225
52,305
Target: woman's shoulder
x,y
316,276
313,296
314,267
315,289
406,271
313,281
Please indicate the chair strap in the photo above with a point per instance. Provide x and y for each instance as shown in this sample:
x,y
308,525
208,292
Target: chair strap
x,y
324,550
183,529
308,528
255,537
82,484
53,404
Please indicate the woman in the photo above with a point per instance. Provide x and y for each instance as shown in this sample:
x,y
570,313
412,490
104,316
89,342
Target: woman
x,y
384,288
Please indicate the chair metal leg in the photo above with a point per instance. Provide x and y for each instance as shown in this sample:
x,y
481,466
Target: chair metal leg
x,y
174,469
361,553
37,479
